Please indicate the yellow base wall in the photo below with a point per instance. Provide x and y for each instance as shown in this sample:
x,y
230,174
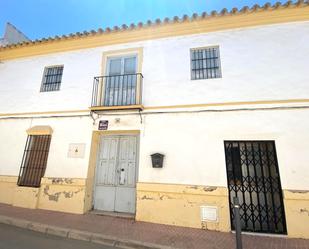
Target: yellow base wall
x,y
170,204
296,204
26,197
62,194
180,205
58,194
7,189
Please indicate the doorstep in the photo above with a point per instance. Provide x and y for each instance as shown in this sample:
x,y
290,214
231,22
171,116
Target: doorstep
x,y
113,214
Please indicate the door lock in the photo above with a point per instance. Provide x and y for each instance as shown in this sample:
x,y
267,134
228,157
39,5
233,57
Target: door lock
x,y
122,177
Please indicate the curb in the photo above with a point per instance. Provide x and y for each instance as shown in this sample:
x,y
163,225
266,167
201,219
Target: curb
x,y
79,234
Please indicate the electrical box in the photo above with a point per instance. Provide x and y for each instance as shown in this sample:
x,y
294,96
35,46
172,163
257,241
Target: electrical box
x,y
209,213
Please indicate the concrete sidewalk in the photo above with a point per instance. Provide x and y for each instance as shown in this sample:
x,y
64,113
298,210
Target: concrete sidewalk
x,y
127,233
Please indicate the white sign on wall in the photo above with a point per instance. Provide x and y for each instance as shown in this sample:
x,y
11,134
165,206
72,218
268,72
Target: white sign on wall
x,y
209,213
76,150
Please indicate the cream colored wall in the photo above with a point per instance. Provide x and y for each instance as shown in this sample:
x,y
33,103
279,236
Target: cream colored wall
x,y
296,204
62,194
7,189
58,194
26,197
180,205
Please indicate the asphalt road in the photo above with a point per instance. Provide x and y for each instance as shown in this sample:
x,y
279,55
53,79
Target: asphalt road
x,y
17,238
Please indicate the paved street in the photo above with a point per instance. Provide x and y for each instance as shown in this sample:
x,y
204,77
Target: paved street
x,y
123,229
17,238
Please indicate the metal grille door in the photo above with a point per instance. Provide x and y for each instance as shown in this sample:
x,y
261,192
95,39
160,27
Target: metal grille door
x,y
253,177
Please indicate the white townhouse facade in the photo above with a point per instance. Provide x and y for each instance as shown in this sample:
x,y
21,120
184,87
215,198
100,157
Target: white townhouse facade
x,y
165,121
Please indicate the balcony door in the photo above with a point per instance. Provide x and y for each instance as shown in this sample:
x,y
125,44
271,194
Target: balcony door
x,y
121,81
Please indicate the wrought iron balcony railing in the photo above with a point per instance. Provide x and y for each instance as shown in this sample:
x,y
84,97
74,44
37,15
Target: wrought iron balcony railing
x,y
117,90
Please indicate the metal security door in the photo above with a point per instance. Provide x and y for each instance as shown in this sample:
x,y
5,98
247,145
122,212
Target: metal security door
x,y
115,188
253,177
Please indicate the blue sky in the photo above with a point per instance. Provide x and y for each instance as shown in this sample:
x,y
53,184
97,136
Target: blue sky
x,y
44,18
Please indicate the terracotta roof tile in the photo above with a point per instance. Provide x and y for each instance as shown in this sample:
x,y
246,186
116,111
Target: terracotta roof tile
x,y
176,19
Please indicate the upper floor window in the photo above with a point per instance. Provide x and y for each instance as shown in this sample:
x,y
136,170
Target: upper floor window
x,y
52,78
121,65
205,63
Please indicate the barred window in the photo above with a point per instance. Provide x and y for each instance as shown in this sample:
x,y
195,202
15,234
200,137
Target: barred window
x,y
52,79
34,160
205,63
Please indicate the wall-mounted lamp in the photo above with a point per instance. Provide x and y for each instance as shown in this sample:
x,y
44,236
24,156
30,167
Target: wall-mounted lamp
x,y
157,160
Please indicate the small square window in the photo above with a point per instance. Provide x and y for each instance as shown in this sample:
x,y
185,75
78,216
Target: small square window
x,y
205,63
52,79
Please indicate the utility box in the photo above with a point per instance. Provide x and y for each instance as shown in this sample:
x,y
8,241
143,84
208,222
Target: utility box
x,y
209,213
157,160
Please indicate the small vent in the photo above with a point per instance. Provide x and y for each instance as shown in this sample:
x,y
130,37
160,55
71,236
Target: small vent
x,y
209,213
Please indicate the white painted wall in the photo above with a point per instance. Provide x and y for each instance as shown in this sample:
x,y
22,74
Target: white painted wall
x,y
258,63
65,131
193,143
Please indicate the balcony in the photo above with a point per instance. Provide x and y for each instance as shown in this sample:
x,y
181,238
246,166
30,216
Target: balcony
x,y
117,92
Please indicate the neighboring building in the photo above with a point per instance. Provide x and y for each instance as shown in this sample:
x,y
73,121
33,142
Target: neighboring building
x,y
224,97
12,35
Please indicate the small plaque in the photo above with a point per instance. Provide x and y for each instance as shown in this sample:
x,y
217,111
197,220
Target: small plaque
x,y
209,213
76,150
103,124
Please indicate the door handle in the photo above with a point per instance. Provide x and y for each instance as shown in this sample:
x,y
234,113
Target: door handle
x,y
122,177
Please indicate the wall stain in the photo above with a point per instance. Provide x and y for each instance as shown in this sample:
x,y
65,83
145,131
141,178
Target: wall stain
x,y
146,198
162,197
191,202
204,225
209,189
299,191
55,196
304,211
193,187
61,180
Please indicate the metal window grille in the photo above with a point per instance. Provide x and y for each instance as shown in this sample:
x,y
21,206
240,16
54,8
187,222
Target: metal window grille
x,y
205,63
52,79
34,160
